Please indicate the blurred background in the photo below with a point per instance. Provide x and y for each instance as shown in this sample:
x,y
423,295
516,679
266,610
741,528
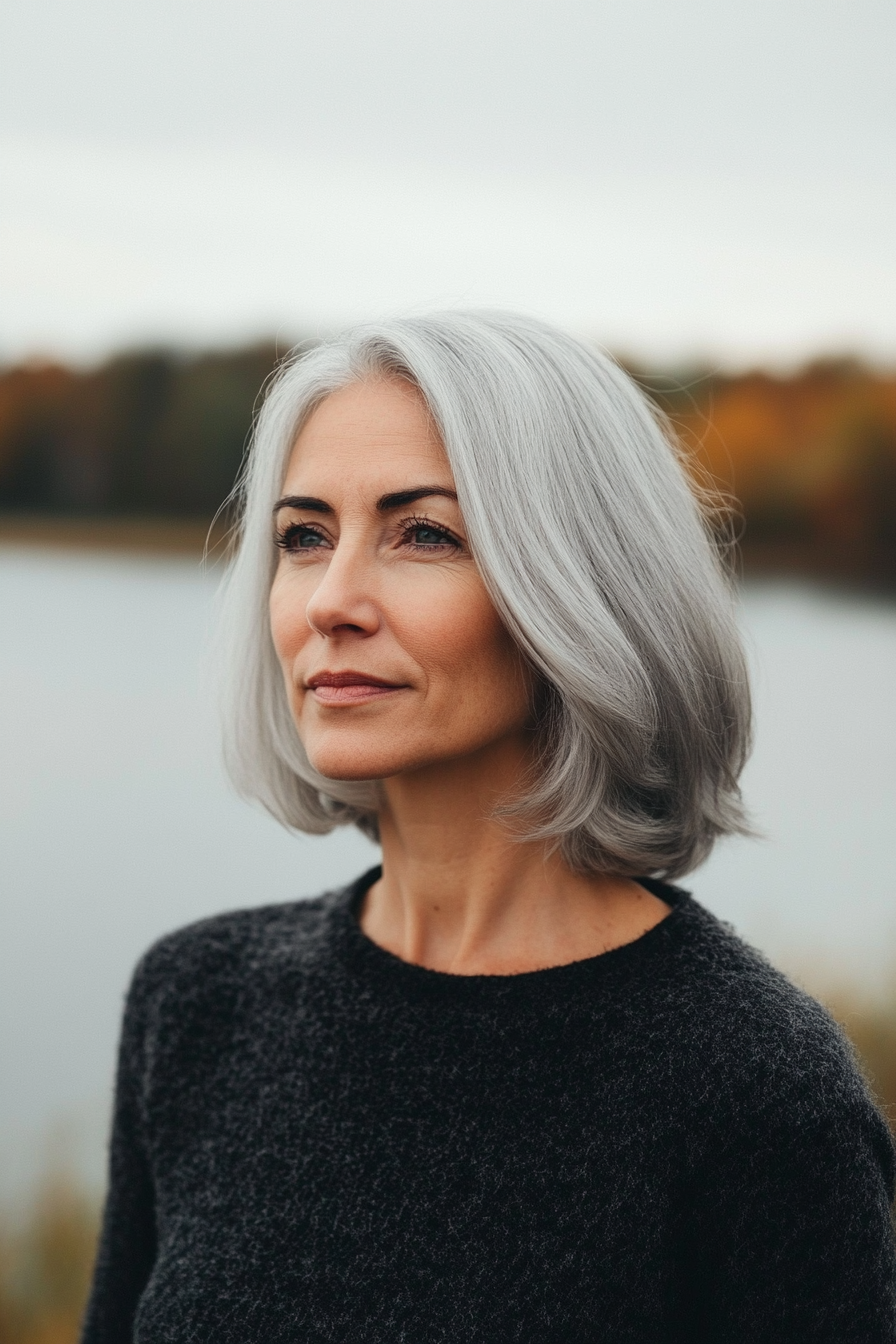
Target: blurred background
x,y
706,189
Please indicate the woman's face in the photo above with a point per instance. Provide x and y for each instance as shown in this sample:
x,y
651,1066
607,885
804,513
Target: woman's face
x,y
393,655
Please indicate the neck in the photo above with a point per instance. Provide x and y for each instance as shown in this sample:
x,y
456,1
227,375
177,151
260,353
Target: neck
x,y
461,893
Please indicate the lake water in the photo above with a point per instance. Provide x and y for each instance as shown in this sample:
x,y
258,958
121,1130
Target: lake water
x,y
116,823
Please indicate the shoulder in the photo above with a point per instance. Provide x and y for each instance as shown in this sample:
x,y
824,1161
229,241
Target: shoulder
x,y
220,954
762,1044
757,1072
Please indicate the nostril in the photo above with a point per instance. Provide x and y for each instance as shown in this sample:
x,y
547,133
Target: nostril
x,y
347,627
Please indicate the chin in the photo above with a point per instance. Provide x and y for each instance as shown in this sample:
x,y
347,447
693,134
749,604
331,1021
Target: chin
x,y
354,757
356,762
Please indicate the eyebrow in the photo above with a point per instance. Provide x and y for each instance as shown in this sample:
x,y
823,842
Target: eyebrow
x,y
396,500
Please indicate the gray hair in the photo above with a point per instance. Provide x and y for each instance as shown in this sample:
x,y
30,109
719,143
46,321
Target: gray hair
x,y
598,555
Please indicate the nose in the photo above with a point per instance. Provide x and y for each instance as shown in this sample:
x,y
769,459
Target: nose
x,y
343,602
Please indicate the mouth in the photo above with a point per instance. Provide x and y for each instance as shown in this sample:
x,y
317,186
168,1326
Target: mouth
x,y
350,688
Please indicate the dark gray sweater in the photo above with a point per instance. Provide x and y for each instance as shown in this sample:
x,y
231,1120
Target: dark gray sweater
x,y
315,1141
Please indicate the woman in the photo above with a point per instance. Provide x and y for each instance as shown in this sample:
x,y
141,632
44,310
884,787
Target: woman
x,y
512,1085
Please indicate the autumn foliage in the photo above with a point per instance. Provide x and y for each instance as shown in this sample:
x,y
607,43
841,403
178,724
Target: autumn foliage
x,y
810,460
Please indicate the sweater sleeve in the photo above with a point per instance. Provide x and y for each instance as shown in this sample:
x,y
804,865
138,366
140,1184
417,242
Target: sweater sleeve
x,y
793,1240
127,1244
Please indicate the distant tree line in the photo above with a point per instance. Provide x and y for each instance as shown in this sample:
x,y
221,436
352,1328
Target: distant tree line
x,y
809,461
810,458
149,432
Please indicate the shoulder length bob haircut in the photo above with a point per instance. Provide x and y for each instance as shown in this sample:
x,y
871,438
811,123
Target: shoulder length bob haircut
x,y
596,552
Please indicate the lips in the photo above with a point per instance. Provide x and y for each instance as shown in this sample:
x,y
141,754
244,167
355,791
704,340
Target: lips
x,y
350,688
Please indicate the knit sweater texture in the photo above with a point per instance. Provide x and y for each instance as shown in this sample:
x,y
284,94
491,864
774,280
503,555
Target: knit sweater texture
x,y
316,1141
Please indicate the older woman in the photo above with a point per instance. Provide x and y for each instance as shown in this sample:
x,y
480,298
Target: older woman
x,y
512,1085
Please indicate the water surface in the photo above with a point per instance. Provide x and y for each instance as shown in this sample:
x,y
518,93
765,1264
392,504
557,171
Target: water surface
x,y
116,823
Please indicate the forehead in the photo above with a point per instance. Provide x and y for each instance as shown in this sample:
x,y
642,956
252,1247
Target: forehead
x,y
370,429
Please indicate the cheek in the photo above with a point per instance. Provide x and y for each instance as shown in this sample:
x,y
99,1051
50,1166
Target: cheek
x,y
469,651
289,628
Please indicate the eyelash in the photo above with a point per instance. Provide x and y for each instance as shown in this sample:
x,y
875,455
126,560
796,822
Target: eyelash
x,y
409,525
286,535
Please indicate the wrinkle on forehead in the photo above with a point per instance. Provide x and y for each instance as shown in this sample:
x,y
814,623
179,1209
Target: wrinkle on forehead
x,y
380,430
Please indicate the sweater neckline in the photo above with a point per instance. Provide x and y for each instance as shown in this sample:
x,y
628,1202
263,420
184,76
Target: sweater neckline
x,y
374,962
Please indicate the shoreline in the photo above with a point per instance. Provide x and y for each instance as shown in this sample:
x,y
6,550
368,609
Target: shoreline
x,y
137,535
848,568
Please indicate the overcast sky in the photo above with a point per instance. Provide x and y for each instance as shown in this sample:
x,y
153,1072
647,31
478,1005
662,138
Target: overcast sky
x,y
680,178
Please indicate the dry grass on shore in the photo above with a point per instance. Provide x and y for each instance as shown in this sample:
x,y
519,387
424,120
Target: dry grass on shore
x,y
871,1026
45,1266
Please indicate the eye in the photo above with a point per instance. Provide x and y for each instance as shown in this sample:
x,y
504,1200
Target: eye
x,y
429,536
300,537
422,535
